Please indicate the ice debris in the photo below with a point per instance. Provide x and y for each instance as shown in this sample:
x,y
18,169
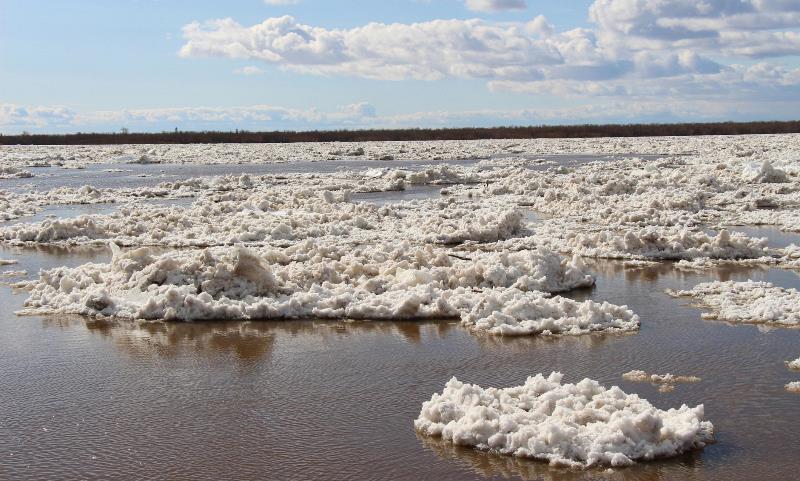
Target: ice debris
x,y
578,425
665,382
10,172
500,293
746,302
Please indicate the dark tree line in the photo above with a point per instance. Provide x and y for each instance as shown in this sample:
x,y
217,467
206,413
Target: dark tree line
x,y
539,131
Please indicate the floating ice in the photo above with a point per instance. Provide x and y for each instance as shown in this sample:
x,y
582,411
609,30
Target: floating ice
x,y
794,364
13,273
653,243
634,208
501,293
666,382
581,425
7,262
764,173
512,312
746,302
10,172
793,386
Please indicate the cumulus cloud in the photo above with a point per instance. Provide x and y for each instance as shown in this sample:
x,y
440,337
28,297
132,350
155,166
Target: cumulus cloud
x,y
634,50
427,50
751,28
22,117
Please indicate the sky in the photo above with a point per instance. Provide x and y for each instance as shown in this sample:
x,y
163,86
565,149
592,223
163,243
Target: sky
x,y
153,65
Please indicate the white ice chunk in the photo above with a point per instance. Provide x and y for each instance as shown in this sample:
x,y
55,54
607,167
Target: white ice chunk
x,y
747,302
579,425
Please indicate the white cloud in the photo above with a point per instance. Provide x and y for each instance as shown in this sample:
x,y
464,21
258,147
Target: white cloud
x,y
495,5
427,50
22,117
634,48
281,2
750,28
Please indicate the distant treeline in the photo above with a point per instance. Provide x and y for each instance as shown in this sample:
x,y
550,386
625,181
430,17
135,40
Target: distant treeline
x,y
531,132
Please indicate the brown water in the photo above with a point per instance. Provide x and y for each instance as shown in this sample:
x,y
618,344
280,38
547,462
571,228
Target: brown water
x,y
336,400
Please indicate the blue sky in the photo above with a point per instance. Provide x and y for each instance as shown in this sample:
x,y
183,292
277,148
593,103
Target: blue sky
x,y
152,65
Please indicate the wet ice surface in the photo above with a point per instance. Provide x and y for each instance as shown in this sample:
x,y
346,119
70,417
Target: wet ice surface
x,y
302,399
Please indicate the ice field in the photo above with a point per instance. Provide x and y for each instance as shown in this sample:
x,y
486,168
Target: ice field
x,y
656,278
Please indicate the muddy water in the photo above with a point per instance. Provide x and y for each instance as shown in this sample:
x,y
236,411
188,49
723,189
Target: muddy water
x,y
336,400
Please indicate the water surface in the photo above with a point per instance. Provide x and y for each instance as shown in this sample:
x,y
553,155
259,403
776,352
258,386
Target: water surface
x,y
336,400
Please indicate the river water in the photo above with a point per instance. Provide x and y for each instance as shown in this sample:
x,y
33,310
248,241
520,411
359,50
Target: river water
x,y
83,399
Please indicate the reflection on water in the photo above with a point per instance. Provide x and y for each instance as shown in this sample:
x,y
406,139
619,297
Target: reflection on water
x,y
245,341
489,465
336,400
506,467
668,271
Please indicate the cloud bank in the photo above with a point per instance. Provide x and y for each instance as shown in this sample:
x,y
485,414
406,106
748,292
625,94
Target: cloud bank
x,y
635,48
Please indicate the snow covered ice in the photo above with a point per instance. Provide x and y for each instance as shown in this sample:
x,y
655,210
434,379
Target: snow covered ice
x,y
578,425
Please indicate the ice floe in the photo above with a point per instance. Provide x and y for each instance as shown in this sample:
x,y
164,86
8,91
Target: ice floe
x,y
578,425
513,312
13,273
635,208
794,364
746,302
499,293
665,382
10,172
